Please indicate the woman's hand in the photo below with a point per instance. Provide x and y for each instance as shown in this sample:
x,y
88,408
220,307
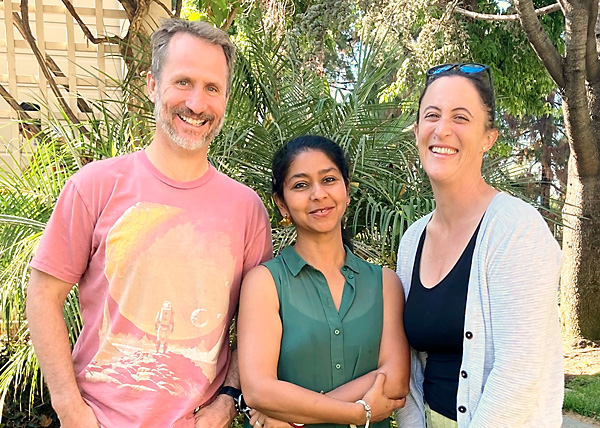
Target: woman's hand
x,y
381,405
259,420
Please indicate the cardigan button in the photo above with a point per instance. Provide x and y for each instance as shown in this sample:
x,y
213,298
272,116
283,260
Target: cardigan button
x,y
463,374
462,409
469,335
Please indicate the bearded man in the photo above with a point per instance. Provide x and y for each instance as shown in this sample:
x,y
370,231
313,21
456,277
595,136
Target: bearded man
x,y
134,231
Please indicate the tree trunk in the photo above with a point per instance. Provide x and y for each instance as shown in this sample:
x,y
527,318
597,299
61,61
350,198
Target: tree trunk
x,y
580,297
580,290
577,74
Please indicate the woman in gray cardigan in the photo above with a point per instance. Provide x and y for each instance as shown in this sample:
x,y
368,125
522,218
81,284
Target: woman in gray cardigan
x,y
480,276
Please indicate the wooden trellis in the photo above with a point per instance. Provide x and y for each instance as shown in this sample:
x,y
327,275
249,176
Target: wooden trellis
x,y
77,66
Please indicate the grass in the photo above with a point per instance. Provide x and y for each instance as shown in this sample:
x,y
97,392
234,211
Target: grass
x,y
582,396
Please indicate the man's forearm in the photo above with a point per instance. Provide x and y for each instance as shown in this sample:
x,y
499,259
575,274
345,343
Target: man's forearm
x,y
232,378
51,340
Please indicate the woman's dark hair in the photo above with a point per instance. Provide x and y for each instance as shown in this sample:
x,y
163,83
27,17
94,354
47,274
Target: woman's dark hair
x,y
481,81
290,150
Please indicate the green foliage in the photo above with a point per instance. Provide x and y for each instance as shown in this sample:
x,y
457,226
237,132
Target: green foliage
x,y
433,33
275,99
522,82
582,395
214,11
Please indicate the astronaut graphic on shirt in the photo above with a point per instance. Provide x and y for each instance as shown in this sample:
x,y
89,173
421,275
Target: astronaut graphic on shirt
x,y
164,326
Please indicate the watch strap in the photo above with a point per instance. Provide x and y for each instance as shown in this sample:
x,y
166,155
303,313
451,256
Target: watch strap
x,y
233,393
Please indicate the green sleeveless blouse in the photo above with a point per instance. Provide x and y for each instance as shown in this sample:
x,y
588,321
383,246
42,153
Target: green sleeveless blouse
x,y
322,348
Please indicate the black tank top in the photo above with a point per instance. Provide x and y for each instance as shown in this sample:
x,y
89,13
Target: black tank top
x,y
434,320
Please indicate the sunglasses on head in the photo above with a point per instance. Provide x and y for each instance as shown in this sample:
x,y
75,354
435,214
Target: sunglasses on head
x,y
464,68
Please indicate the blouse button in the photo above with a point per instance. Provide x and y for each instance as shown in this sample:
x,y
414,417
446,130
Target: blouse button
x,y
463,374
462,409
350,276
469,335
336,331
344,268
338,366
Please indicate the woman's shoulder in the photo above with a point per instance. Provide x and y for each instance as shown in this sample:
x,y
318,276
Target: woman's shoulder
x,y
510,218
275,263
509,207
286,260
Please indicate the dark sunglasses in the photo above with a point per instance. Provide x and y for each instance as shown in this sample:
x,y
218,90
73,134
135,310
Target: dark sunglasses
x,y
465,68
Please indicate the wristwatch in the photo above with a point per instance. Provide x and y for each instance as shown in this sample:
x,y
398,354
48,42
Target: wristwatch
x,y
236,394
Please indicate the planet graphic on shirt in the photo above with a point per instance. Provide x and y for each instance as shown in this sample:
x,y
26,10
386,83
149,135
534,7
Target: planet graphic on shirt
x,y
199,318
156,253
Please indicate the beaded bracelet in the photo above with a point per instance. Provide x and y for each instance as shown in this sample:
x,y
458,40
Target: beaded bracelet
x,y
367,409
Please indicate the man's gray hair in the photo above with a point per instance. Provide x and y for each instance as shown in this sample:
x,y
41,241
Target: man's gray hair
x,y
200,29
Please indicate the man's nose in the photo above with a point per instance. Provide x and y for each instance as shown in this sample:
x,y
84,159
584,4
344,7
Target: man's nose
x,y
197,100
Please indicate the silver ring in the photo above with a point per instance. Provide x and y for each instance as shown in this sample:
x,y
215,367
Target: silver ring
x,y
257,423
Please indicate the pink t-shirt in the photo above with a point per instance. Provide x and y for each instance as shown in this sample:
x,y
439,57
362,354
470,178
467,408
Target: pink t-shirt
x,y
159,265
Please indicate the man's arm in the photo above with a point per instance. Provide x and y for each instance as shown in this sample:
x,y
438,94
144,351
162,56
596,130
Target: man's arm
x,y
220,413
45,300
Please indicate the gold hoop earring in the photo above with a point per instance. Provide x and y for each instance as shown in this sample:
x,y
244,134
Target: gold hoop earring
x,y
285,221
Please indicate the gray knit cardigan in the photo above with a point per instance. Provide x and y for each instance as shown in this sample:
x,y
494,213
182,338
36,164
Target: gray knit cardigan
x,y
511,374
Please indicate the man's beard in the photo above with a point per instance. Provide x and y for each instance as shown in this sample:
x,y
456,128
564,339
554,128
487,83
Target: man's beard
x,y
193,142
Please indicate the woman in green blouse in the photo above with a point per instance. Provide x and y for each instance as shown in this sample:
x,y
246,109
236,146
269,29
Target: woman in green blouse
x,y
320,332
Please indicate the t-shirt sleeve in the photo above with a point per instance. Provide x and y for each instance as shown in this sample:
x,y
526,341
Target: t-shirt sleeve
x,y
260,245
66,244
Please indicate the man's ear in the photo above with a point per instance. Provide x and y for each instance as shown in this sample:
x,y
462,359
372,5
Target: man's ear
x,y
152,87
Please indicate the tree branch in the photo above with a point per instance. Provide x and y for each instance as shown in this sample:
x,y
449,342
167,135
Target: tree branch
x,y
576,96
178,5
540,41
51,65
24,22
591,56
514,17
165,8
230,18
23,115
129,6
136,30
86,31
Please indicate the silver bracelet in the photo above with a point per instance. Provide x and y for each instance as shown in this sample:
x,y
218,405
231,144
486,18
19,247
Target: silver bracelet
x,y
367,409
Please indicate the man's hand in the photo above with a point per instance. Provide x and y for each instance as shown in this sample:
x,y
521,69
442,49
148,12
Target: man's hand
x,y
218,414
77,415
